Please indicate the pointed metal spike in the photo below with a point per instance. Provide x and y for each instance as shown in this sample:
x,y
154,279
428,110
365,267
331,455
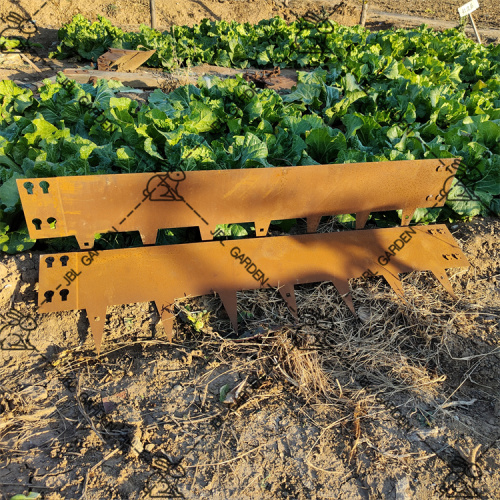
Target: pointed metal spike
x,y
206,232
149,237
229,300
166,312
345,292
110,279
168,326
442,277
407,216
361,218
288,294
262,227
313,223
390,186
97,318
85,242
394,283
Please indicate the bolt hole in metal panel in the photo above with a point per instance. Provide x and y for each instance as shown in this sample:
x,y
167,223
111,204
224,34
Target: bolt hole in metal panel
x,y
94,280
84,206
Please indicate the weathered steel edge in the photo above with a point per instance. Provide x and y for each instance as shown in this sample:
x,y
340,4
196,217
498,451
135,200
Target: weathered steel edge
x,y
84,206
96,280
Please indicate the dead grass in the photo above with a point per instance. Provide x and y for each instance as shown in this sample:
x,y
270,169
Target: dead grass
x,y
397,345
432,358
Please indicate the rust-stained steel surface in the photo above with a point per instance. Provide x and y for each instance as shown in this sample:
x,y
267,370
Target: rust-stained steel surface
x,y
270,78
123,59
84,206
264,78
95,280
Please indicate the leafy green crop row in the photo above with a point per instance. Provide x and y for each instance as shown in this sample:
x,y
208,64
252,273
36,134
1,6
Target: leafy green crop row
x,y
274,42
394,95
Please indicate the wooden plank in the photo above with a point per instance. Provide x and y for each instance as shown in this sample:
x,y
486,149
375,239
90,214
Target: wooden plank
x,y
123,59
31,63
130,79
152,8
364,12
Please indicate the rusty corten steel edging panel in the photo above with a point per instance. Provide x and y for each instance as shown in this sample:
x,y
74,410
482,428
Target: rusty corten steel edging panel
x,y
84,206
95,280
123,59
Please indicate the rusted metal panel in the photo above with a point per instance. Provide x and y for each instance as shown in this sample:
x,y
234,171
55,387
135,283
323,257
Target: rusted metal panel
x,y
95,280
123,59
84,206
270,78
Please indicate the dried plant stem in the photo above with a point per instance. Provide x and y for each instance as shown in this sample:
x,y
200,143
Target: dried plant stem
x,y
84,413
232,459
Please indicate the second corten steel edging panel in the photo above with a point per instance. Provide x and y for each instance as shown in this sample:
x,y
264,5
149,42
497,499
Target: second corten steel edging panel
x,y
95,280
84,206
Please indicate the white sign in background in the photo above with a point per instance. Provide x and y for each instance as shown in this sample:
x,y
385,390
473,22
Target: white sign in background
x,y
468,8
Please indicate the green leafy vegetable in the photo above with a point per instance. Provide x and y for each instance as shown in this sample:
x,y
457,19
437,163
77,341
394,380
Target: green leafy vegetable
x,y
386,95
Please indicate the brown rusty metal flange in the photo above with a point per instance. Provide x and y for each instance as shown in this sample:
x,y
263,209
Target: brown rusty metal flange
x,y
123,59
95,280
272,78
264,78
84,206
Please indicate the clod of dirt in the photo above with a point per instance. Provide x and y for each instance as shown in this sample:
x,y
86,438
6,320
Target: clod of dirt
x,y
136,443
35,393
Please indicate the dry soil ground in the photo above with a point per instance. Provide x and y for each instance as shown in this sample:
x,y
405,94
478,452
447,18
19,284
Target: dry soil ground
x,y
51,14
380,409
390,405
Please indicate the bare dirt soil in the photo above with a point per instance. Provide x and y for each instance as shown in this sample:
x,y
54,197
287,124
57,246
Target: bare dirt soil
x,y
51,14
488,15
384,406
392,404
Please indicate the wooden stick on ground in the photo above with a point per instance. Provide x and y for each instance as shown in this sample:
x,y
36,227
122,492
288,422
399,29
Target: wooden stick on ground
x,y
364,12
30,62
152,8
82,410
475,29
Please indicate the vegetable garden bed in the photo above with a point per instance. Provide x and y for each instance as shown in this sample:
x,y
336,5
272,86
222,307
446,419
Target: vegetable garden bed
x,y
390,95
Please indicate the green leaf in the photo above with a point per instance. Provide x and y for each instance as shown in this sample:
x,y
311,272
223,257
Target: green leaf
x,y
495,206
223,392
352,123
490,182
306,93
31,496
249,150
237,231
201,118
284,225
463,201
324,144
15,241
350,84
489,134
126,159
9,194
231,230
